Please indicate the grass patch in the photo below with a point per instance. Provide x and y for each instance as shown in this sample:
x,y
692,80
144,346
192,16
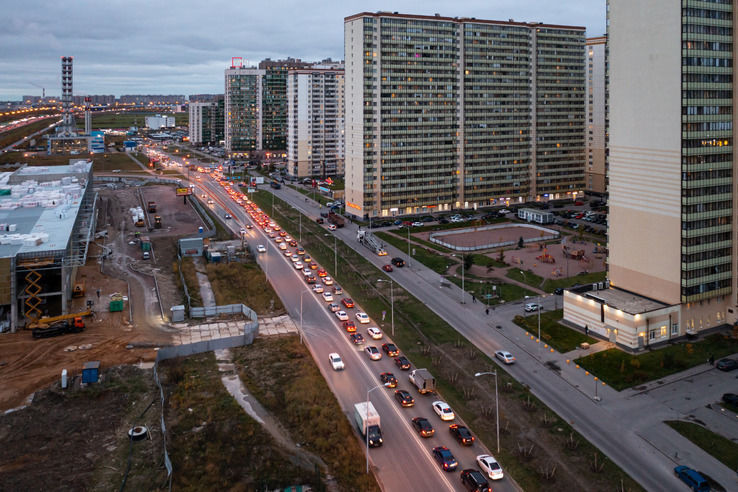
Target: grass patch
x,y
213,443
526,277
243,283
486,261
281,373
434,261
622,370
113,161
551,284
505,292
189,272
12,136
553,333
127,119
721,448
316,196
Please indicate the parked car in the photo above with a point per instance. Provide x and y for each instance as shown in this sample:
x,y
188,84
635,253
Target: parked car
x,y
423,427
336,361
693,478
731,398
727,364
443,410
531,306
474,481
490,466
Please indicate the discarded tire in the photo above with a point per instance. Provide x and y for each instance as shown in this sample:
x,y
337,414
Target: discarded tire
x,y
138,433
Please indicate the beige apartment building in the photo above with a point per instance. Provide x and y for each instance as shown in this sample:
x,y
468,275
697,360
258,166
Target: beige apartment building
x,y
672,193
450,113
595,170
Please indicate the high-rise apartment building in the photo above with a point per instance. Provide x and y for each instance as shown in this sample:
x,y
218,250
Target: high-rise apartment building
x,y
445,113
595,171
243,125
315,144
207,121
672,186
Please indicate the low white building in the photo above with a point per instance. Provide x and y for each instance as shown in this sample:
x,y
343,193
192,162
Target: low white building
x,y
159,121
534,215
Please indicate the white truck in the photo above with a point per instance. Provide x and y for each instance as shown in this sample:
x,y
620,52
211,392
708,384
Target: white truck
x,y
423,380
367,420
367,239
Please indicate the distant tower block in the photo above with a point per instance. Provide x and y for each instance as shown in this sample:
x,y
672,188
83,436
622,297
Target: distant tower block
x,y
66,97
88,116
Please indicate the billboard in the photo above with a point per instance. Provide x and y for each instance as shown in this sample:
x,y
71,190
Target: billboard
x,y
184,191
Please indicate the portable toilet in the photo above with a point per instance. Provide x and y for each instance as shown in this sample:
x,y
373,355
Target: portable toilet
x,y
91,372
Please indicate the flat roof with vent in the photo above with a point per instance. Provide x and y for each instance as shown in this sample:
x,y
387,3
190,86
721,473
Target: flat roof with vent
x,y
625,301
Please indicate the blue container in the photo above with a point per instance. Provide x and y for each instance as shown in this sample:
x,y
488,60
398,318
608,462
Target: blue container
x,y
91,372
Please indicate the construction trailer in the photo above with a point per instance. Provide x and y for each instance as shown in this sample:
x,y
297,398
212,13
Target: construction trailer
x,y
47,219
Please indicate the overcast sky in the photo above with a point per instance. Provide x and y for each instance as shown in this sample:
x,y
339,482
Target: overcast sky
x,y
183,46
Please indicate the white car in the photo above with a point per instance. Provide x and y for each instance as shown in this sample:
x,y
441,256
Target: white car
x,y
333,307
327,281
336,361
295,258
505,356
298,265
531,306
283,246
375,333
318,288
327,297
243,231
503,211
373,353
443,410
332,227
307,272
261,249
490,466
362,318
341,315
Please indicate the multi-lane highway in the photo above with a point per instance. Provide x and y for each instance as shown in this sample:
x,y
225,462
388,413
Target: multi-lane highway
x,y
405,461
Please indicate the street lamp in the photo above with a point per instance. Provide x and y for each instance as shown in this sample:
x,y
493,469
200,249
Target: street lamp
x,y
392,301
335,254
366,417
497,408
408,246
463,301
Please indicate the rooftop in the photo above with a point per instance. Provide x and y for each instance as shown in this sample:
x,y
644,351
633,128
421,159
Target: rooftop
x,y
39,206
625,301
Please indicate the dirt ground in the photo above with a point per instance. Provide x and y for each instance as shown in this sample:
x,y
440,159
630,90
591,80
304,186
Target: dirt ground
x,y
489,236
27,364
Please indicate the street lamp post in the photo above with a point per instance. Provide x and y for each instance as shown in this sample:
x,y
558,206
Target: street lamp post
x,y
392,302
463,300
408,246
497,407
366,417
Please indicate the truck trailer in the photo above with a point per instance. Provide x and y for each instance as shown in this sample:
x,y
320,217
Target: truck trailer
x,y
370,241
335,219
422,380
367,420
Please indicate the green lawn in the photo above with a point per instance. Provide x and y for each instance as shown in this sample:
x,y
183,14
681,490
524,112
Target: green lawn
x,y
721,448
110,162
549,285
486,261
622,370
12,136
126,119
525,276
434,261
553,333
505,292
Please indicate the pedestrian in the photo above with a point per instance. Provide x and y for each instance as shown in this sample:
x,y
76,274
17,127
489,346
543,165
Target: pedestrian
x,y
486,311
712,360
474,299
586,330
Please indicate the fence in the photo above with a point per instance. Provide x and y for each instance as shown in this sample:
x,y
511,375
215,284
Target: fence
x,y
204,312
250,330
550,234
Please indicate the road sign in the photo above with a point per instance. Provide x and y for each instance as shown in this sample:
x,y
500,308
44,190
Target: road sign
x,y
184,191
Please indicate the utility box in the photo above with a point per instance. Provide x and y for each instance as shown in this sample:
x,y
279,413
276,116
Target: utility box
x,y
145,243
91,372
178,313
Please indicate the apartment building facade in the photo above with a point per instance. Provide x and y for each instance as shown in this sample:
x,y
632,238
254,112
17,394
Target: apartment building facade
x,y
672,187
595,175
315,109
207,121
243,101
449,113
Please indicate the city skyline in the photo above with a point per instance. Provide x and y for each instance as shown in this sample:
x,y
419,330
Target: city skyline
x,y
140,48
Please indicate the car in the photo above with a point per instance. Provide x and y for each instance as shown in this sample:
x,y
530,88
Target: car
x,y
322,273
319,220
249,226
405,398
292,243
210,202
356,338
278,240
288,253
298,265
693,478
307,259
474,481
295,258
373,352
283,234
375,333
227,216
313,265
505,356
242,231
398,262
331,227
443,410
310,279
306,272
730,398
362,318
337,290
558,291
333,307
318,288
300,251
336,361
387,267
327,281
390,349
341,315
327,297
417,224
261,249
423,427
531,306
726,364
462,434
490,466
444,458
348,302
388,379
402,363
503,211
349,326
283,246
